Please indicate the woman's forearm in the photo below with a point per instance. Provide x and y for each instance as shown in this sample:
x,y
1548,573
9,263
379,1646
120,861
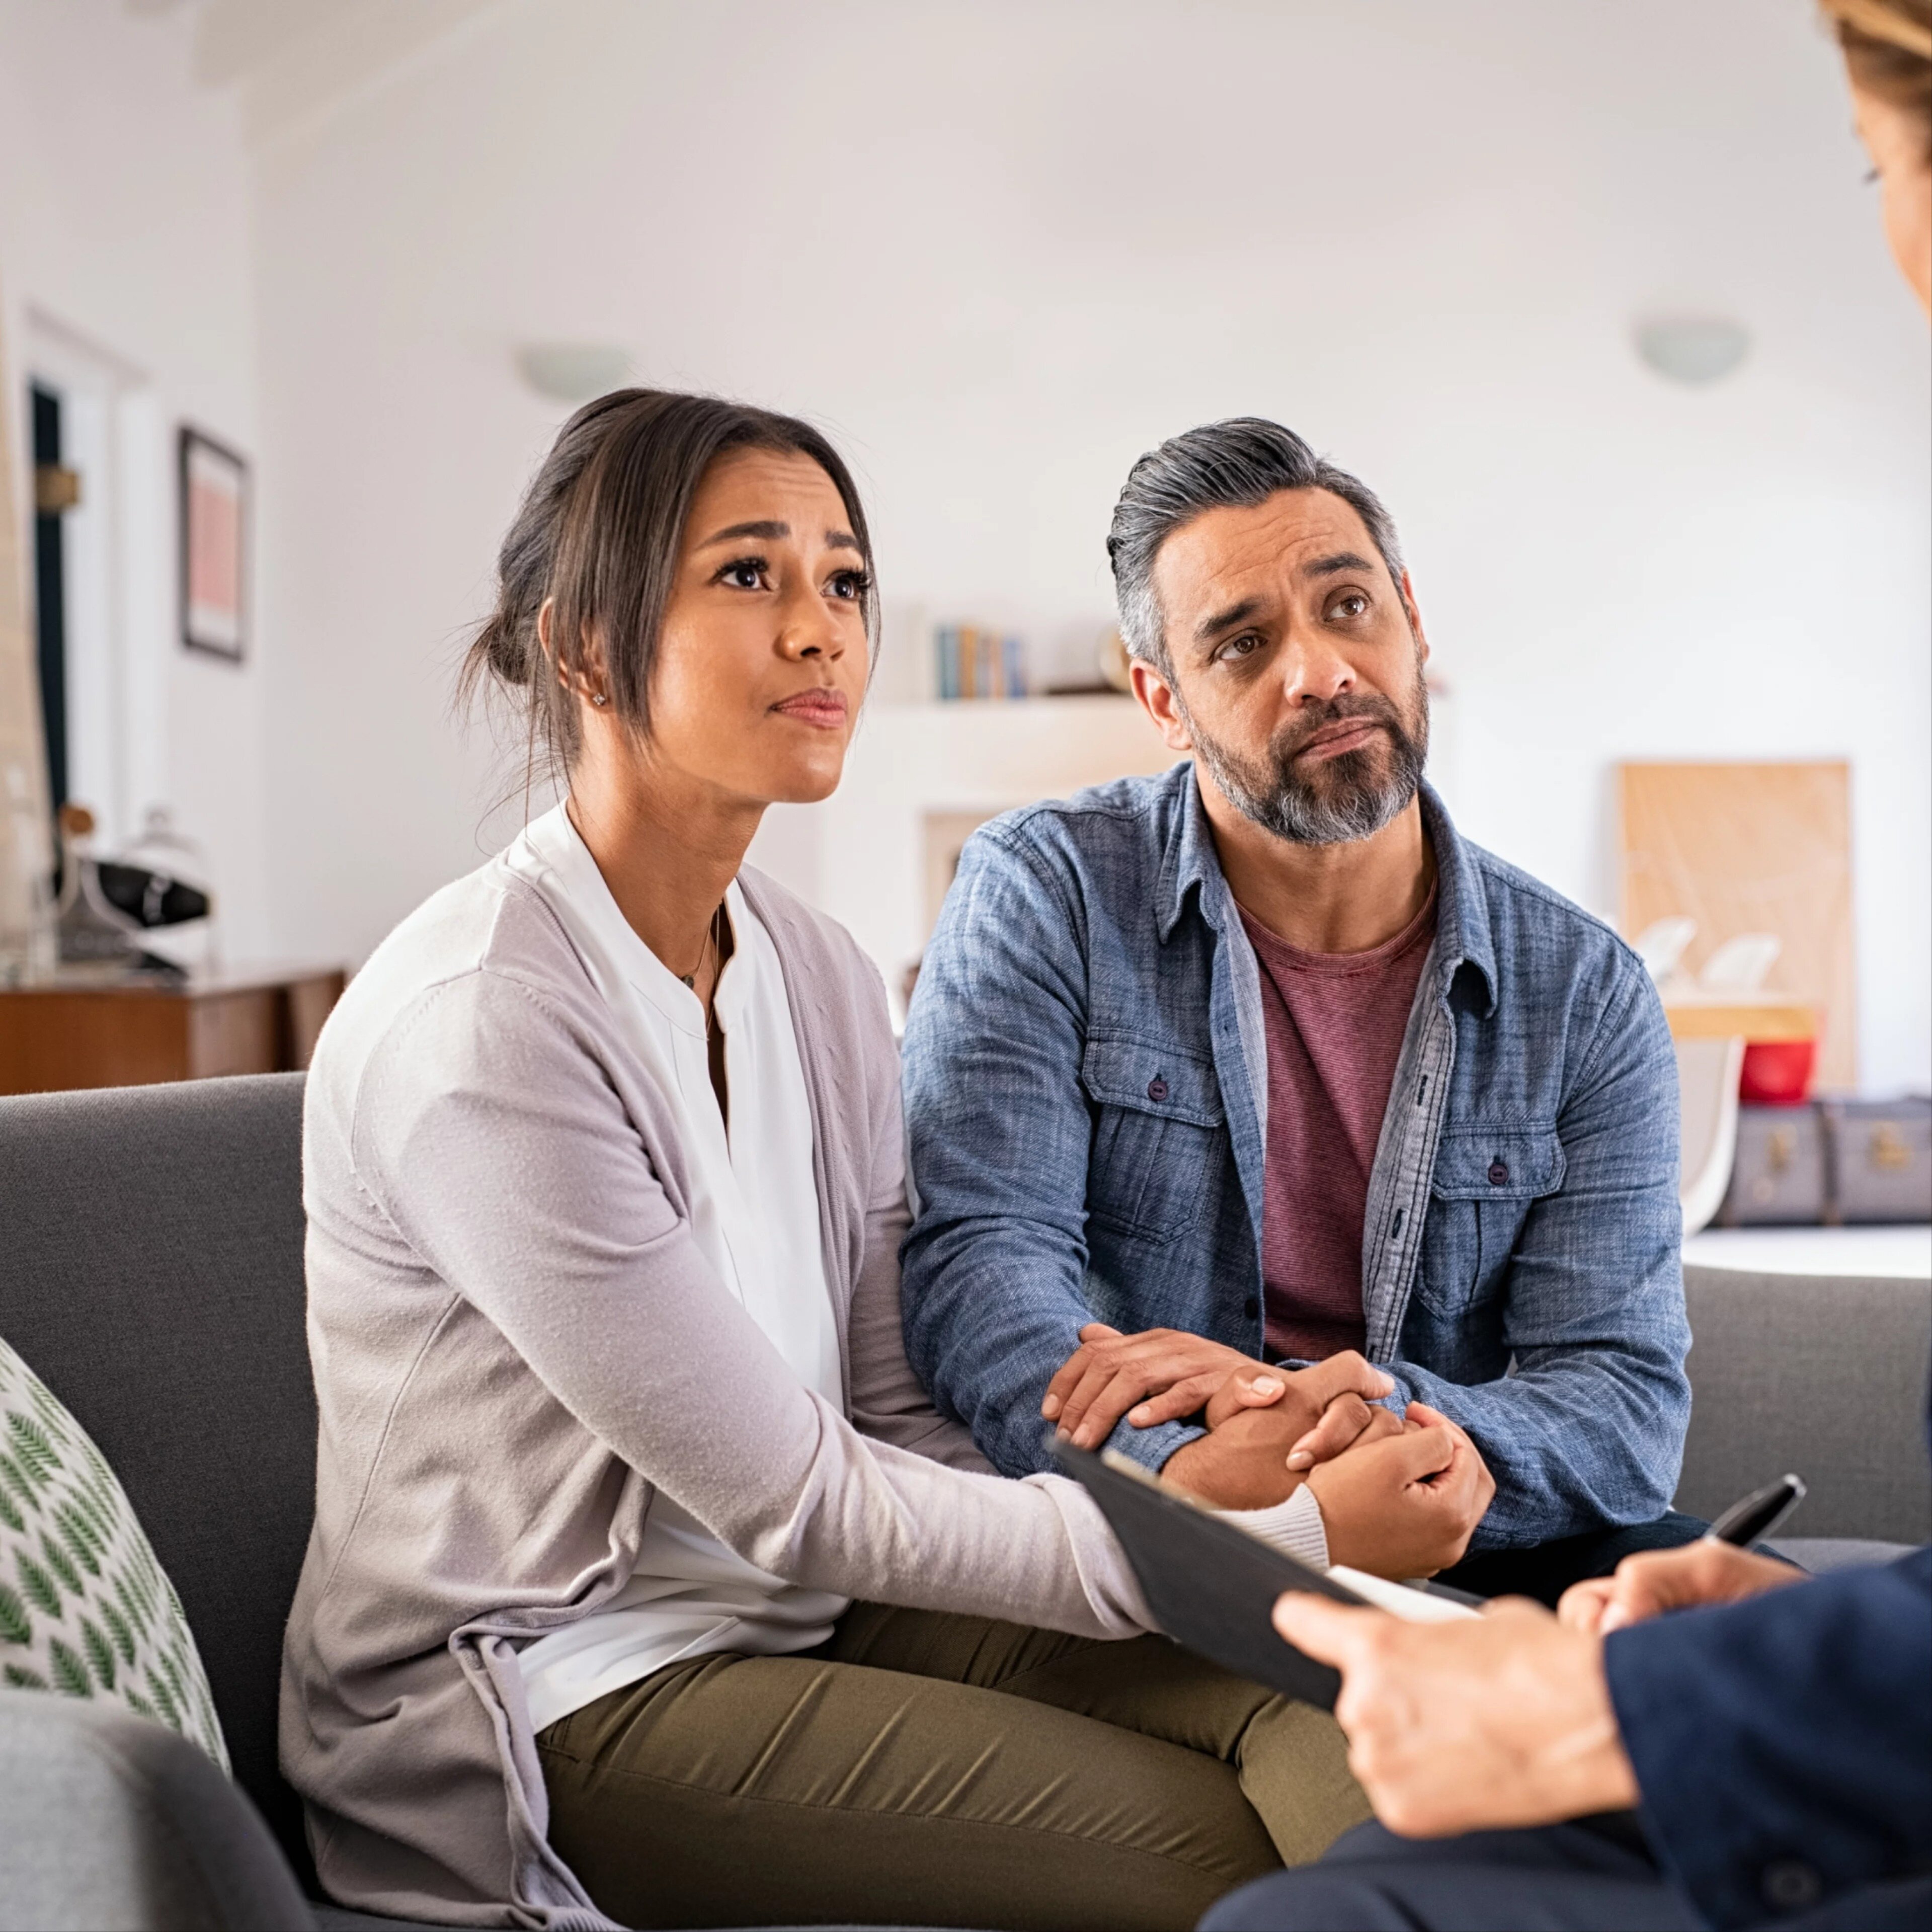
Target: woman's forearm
x,y
534,1200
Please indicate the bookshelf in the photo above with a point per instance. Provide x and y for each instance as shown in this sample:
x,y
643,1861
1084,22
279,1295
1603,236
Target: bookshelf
x,y
922,770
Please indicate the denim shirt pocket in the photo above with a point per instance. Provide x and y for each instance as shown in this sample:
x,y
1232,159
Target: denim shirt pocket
x,y
1485,1182
1157,1116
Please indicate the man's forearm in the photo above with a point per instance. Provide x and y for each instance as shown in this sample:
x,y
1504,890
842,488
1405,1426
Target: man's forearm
x,y
991,1310
1555,1476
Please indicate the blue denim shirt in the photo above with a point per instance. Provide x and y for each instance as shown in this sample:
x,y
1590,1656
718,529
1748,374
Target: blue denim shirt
x,y
1086,1095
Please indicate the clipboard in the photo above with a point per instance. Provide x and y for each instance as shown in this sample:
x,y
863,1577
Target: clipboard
x,y
1212,1586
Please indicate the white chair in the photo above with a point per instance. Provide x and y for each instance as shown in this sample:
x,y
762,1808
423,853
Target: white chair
x,y
1707,1098
1708,1070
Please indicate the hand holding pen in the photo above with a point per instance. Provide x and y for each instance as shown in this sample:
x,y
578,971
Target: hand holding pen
x,y
1718,1568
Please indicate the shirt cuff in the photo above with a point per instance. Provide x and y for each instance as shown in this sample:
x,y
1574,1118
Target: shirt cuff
x,y
1294,1527
1151,1447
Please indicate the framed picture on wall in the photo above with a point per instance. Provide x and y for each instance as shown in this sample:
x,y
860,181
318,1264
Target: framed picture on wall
x,y
214,547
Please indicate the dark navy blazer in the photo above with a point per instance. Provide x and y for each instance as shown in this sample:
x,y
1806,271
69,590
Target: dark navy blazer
x,y
1783,1744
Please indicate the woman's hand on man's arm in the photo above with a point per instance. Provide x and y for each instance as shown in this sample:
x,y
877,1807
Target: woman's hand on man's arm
x,y
1164,1374
1401,1497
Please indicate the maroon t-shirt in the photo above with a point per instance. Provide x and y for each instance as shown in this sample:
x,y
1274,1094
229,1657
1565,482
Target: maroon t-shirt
x,y
1335,1024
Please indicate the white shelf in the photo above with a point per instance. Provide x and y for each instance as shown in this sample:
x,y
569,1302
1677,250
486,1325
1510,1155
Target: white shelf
x,y
912,758
1068,700
977,756
1900,1252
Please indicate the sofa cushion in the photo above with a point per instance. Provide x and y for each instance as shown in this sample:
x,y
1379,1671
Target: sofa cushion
x,y
84,1609
1824,1375
151,1272
109,1821
1822,1555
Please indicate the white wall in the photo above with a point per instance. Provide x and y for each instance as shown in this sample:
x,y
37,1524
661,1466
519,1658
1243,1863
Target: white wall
x,y
124,246
1000,249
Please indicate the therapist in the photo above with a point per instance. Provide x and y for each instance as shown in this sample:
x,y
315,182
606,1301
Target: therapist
x,y
1773,1739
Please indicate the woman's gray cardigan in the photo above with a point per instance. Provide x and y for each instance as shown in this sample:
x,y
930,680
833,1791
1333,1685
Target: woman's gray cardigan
x,y
516,1344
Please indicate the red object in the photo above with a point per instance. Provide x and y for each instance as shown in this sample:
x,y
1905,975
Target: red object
x,y
1777,1073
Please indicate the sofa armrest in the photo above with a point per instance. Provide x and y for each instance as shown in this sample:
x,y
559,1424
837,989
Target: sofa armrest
x,y
1825,1375
107,1820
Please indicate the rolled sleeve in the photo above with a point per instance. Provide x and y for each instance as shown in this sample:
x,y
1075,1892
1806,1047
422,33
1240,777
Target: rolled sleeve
x,y
994,1265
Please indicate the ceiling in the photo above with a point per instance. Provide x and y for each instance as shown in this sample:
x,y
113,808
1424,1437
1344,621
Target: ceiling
x,y
293,61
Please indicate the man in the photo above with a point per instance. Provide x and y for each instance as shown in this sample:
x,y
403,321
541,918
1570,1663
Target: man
x,y
1262,1059
1772,1742
1775,1741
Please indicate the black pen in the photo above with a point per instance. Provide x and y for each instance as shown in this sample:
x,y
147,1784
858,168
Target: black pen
x,y
1746,1522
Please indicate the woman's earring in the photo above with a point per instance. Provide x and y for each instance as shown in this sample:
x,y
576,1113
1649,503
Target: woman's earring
x,y
599,699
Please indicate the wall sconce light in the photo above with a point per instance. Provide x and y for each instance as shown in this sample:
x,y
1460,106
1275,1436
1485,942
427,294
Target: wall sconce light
x,y
573,372
1694,350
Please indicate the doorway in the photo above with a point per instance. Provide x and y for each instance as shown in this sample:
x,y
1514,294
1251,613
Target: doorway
x,y
56,490
101,575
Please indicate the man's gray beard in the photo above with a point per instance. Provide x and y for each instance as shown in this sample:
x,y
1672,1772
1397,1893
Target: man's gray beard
x,y
1280,803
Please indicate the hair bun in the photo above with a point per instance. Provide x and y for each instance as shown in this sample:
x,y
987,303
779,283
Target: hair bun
x,y
503,643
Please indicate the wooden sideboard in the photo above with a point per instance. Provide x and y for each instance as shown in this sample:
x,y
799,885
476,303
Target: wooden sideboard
x,y
133,1034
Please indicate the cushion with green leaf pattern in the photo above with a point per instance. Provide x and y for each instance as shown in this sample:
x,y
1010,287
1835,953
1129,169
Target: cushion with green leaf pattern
x,y
85,1608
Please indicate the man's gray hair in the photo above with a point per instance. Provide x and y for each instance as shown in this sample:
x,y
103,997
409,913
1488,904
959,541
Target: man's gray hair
x,y
1232,465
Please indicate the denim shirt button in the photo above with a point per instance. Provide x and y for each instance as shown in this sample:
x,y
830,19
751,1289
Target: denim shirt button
x,y
1157,1088
1498,1173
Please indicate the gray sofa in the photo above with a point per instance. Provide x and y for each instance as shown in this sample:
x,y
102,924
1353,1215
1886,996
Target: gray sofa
x,y
150,1272
1823,1375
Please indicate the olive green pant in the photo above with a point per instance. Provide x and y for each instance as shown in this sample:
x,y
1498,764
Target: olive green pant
x,y
921,1769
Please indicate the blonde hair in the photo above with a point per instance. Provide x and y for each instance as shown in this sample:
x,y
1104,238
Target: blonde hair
x,y
1888,49
1904,24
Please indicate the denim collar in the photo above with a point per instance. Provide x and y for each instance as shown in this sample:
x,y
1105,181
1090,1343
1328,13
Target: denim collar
x,y
1462,937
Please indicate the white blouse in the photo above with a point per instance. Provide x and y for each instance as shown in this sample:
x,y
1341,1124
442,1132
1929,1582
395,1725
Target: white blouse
x,y
755,1213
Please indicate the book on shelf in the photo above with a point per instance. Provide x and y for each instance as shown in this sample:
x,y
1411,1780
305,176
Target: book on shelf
x,y
975,663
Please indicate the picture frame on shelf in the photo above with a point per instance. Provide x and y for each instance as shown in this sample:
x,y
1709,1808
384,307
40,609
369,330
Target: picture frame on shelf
x,y
213,514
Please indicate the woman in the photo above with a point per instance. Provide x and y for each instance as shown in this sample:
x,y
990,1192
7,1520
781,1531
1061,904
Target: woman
x,y
1888,50
1768,1759
605,1189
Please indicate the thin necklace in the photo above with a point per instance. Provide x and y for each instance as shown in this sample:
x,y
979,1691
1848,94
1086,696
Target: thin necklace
x,y
711,945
